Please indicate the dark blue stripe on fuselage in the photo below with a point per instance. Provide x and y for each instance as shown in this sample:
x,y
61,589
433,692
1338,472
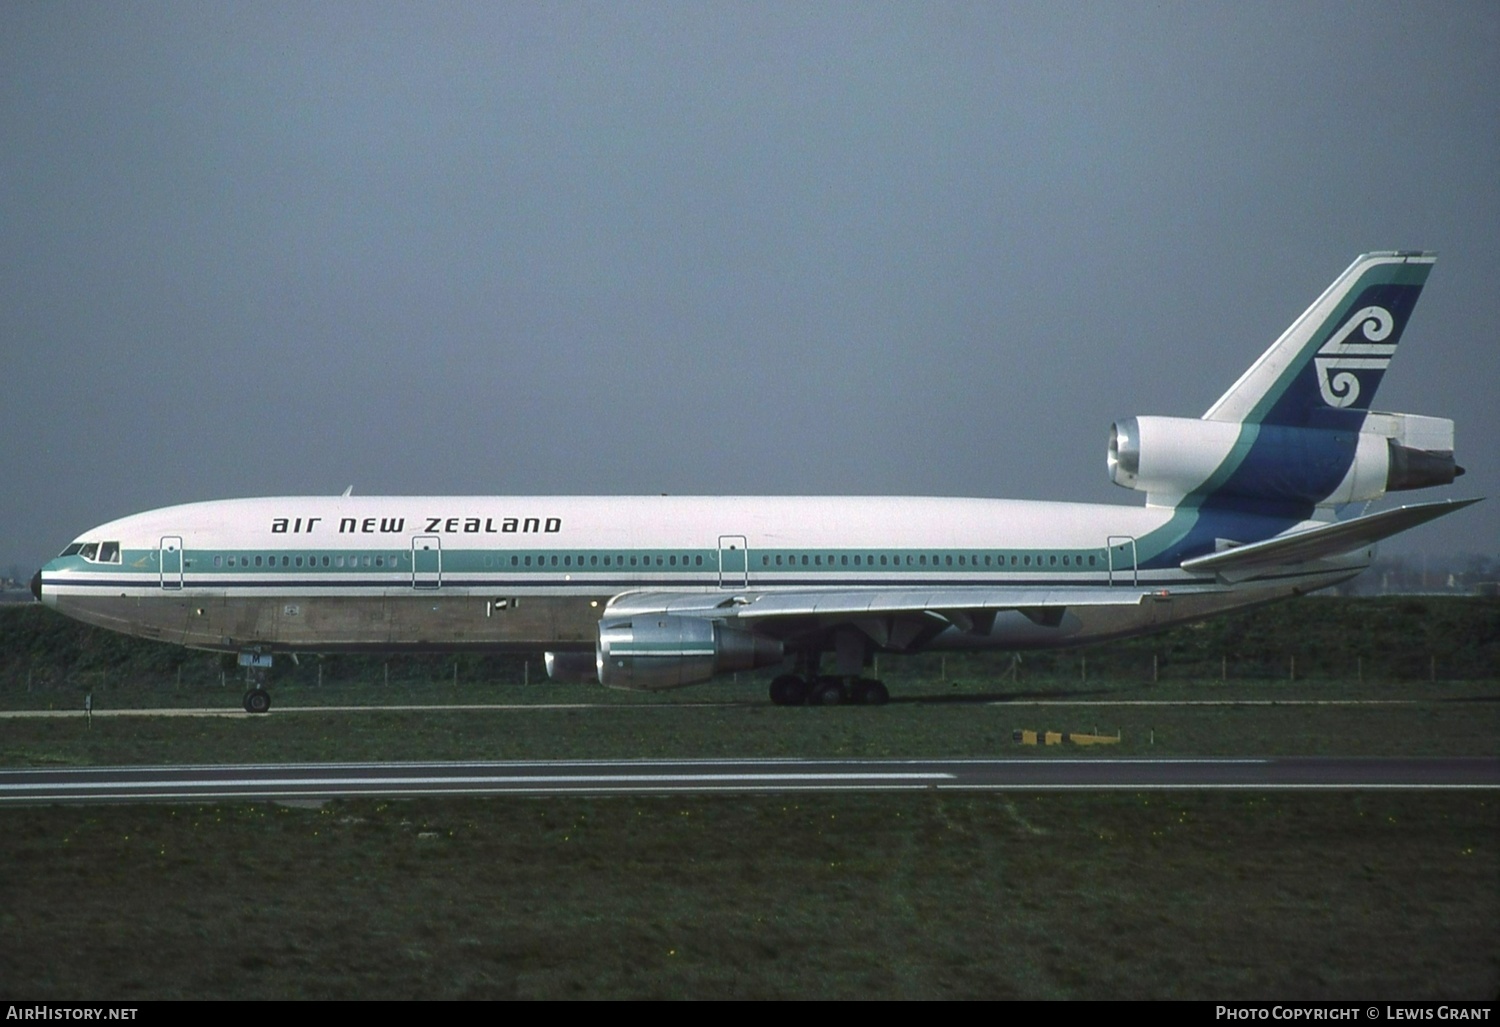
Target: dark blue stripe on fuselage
x,y
1217,518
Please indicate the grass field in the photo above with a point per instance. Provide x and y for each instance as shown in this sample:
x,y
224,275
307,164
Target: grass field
x,y
1221,895
1390,895
928,719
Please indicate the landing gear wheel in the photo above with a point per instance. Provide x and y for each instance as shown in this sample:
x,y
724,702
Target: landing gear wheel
x,y
869,692
827,692
257,700
788,690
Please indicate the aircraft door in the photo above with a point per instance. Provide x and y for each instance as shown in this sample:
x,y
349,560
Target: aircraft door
x,y
171,562
426,561
734,562
1122,567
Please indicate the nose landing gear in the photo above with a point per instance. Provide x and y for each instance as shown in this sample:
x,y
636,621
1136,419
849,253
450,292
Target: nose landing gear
x,y
257,700
256,664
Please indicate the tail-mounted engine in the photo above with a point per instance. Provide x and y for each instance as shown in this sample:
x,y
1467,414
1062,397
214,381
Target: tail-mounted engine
x,y
1172,457
656,651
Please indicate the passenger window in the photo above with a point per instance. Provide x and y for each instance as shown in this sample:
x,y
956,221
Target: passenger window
x,y
218,561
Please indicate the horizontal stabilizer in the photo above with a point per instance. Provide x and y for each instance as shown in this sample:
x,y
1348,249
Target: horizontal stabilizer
x,y
1319,543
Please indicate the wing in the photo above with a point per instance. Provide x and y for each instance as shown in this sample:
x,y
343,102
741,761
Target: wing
x,y
897,618
908,618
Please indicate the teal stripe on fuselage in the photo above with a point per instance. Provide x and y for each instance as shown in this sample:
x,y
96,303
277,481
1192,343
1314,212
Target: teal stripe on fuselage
x,y
204,567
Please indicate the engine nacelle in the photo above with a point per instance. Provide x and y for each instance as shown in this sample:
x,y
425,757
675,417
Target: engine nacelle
x,y
1172,457
657,651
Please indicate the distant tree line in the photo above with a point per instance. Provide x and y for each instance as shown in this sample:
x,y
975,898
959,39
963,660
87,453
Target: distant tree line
x,y
1391,638
1425,574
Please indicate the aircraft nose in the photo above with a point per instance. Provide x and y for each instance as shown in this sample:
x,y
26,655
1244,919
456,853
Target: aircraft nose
x,y
36,585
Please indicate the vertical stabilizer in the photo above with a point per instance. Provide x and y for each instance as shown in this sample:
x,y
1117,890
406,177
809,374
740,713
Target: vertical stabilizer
x,y
1325,368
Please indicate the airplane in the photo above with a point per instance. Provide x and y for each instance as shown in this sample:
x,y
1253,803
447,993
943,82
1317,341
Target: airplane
x,y
1249,503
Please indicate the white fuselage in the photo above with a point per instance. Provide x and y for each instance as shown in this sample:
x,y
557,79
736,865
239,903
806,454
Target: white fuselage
x,y
331,573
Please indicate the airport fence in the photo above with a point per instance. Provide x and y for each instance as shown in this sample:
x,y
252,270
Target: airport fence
x,y
1342,639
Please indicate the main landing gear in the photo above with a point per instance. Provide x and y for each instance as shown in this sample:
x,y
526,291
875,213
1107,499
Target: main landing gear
x,y
827,690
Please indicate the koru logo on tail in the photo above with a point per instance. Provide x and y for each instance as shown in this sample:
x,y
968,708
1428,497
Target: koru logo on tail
x,y
1338,360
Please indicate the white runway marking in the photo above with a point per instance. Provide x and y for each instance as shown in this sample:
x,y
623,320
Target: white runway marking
x,y
545,707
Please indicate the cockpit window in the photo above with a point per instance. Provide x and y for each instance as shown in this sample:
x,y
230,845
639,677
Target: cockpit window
x,y
95,552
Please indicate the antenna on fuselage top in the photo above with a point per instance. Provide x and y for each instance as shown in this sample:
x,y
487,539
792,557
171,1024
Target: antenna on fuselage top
x,y
349,491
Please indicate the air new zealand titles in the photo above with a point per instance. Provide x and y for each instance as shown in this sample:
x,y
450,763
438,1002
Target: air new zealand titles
x,y
434,525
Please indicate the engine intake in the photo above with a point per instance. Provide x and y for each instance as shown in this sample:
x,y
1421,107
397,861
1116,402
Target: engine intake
x,y
658,651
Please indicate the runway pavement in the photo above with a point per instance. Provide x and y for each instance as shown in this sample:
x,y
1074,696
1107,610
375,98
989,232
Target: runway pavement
x,y
647,777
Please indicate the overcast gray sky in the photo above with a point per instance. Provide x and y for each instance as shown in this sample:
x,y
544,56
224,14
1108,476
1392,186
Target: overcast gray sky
x,y
258,249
